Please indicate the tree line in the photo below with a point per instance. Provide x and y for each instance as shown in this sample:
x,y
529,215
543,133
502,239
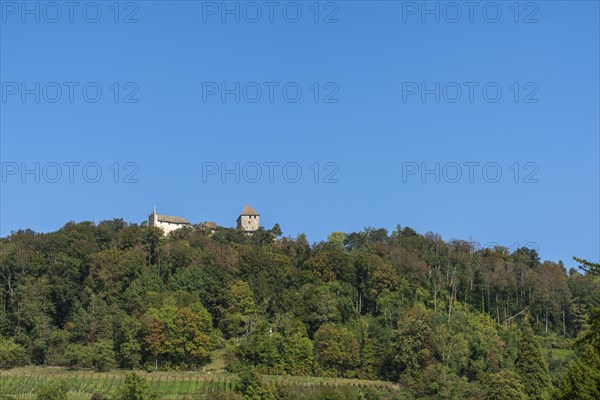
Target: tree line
x,y
443,318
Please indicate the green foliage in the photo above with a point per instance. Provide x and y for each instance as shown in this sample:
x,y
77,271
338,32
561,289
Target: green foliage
x,y
55,390
183,336
275,350
582,378
504,385
252,387
531,366
468,344
239,311
437,316
223,396
77,356
337,350
12,354
135,388
127,332
590,267
412,344
591,336
103,356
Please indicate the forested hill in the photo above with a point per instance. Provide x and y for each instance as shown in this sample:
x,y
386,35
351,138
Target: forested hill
x,y
442,318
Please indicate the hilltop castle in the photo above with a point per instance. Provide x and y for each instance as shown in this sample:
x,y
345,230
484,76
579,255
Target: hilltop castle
x,y
248,221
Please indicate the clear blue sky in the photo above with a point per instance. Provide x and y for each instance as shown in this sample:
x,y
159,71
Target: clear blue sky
x,y
374,57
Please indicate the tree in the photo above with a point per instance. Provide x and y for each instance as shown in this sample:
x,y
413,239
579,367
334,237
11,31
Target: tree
x,y
276,230
55,390
127,341
135,388
591,336
411,344
336,239
337,350
260,350
587,266
103,356
252,387
553,291
531,366
191,338
154,336
504,385
582,379
77,356
298,353
11,354
182,336
319,305
239,311
451,346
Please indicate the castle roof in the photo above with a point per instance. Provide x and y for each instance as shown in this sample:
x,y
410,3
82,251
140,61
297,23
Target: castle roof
x,y
249,211
209,225
173,220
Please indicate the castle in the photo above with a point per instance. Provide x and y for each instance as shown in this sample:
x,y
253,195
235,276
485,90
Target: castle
x,y
248,221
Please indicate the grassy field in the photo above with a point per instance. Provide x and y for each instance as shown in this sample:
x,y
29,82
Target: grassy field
x,y
23,382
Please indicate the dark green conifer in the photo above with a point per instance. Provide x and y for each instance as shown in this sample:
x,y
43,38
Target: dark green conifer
x,y
531,366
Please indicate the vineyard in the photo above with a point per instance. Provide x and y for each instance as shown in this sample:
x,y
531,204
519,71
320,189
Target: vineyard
x,y
23,383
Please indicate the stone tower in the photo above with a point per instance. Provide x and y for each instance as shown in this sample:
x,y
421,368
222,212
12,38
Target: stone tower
x,y
249,220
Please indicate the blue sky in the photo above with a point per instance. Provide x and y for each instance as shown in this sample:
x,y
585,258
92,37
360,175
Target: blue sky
x,y
362,69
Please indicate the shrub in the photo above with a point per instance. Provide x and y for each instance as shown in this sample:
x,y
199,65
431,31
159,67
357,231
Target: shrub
x,y
56,390
11,354
135,388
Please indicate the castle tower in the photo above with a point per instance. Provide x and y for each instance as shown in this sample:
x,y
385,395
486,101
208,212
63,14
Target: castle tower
x,y
249,220
153,218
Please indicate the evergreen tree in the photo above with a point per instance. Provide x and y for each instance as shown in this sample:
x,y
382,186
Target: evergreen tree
x,y
135,388
504,385
531,366
252,387
588,266
582,379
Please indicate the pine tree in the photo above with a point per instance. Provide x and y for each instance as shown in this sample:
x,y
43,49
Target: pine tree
x,y
135,388
505,385
588,266
531,366
582,379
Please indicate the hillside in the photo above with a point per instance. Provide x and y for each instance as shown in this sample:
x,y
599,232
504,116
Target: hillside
x,y
438,319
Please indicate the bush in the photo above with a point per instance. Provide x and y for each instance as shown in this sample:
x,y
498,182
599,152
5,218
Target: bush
x,y
135,388
223,396
11,354
252,387
56,390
